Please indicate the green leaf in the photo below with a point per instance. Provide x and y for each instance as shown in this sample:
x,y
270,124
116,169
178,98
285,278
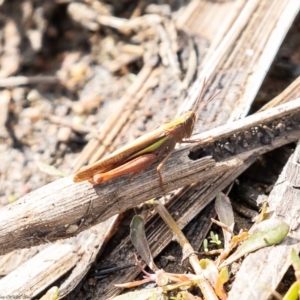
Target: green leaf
x,y
215,239
139,240
293,292
264,234
295,260
52,294
222,278
205,245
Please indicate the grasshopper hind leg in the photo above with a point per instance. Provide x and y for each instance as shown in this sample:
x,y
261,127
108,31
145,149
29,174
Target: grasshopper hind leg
x,y
134,167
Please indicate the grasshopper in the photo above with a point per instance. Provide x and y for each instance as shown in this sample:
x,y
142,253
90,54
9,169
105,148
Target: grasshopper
x,y
144,151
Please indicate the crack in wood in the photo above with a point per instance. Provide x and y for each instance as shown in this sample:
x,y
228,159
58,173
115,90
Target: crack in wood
x,y
248,139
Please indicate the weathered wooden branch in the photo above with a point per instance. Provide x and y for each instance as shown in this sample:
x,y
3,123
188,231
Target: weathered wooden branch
x,y
62,209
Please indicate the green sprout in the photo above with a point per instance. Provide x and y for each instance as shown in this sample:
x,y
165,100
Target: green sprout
x,y
205,245
214,239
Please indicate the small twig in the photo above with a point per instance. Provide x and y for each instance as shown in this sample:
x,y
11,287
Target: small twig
x,y
222,225
187,250
166,52
4,104
75,127
192,64
138,9
24,80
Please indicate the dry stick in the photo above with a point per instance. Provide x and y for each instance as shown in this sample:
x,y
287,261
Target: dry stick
x,y
192,64
137,50
126,26
138,9
123,60
167,54
4,104
75,127
187,250
46,214
24,80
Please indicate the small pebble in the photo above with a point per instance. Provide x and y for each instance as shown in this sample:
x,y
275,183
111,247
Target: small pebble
x,y
52,129
33,95
32,113
64,134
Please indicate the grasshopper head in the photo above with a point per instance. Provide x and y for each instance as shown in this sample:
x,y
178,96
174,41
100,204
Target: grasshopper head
x,y
189,119
182,127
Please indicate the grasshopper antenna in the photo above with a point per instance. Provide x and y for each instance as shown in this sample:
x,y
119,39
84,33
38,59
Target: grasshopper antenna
x,y
200,97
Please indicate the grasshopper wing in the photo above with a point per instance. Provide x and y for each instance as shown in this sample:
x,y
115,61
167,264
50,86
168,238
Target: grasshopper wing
x,y
144,144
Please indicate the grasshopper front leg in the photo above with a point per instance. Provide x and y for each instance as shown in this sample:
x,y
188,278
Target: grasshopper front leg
x,y
134,166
